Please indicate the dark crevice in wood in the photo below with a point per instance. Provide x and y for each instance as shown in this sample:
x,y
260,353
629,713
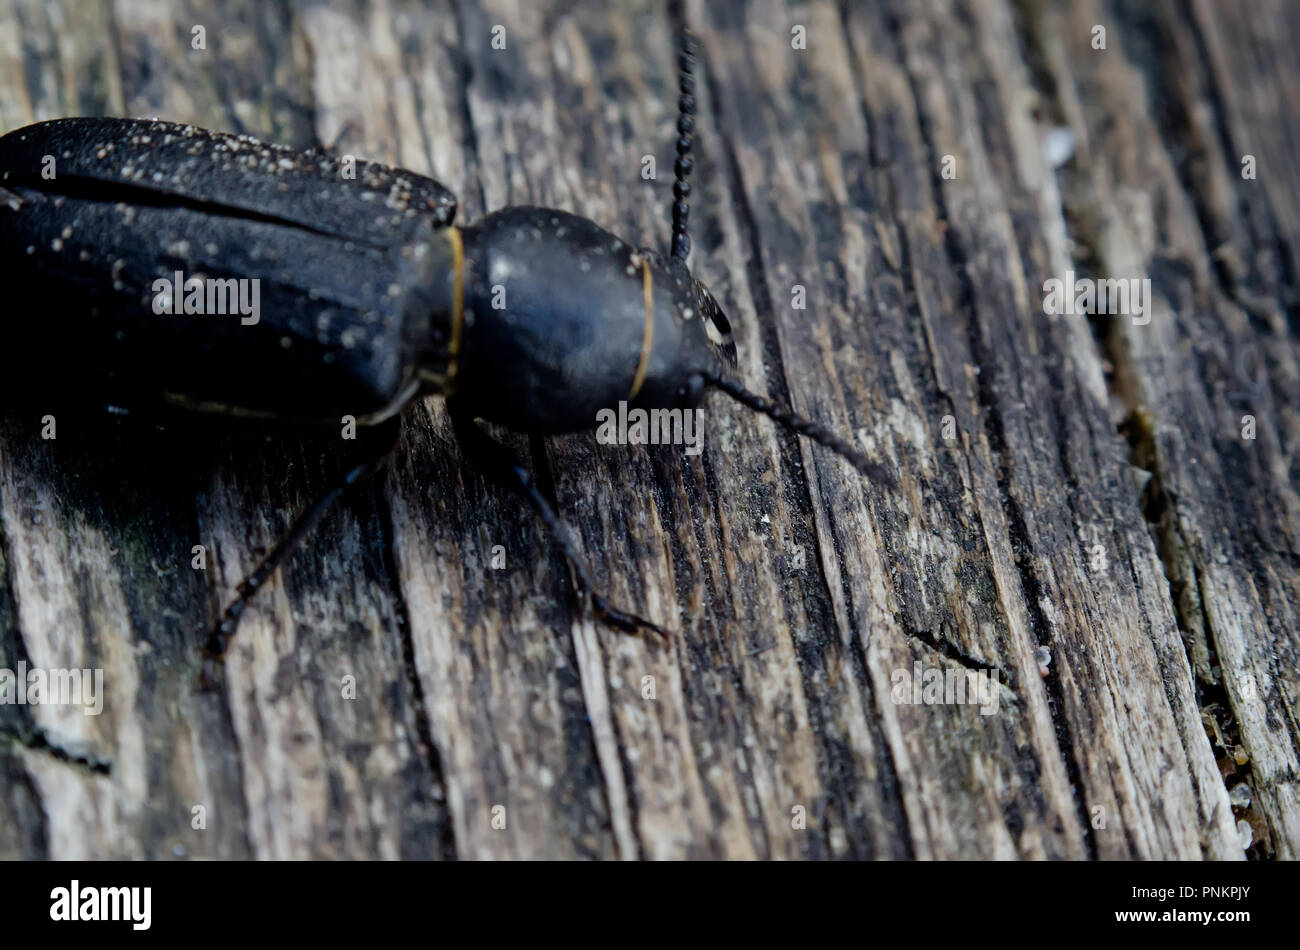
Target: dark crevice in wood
x,y
753,818
838,761
12,650
714,653
1286,275
308,106
25,732
833,754
1211,694
947,649
799,490
1179,558
877,161
36,739
1159,509
1019,536
113,31
545,479
446,844
907,271
1081,228
426,145
1155,504
465,67
221,698
22,801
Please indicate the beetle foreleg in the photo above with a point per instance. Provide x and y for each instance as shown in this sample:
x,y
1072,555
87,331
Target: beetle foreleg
x,y
498,462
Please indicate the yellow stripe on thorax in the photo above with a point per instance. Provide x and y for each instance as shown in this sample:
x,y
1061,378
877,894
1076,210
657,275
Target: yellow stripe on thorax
x,y
648,337
457,299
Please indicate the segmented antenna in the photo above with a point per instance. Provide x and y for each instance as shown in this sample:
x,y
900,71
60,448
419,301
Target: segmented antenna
x,y
685,130
787,417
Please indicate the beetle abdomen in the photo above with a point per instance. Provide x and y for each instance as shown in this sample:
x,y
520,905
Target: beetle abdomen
x,y
322,317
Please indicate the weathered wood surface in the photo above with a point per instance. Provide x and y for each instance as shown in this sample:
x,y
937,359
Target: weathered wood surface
x,y
1091,492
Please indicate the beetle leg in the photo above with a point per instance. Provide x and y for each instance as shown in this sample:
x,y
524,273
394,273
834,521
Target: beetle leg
x,y
384,441
498,462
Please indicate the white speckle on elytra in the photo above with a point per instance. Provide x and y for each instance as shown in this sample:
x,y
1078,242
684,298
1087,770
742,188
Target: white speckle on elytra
x,y
56,245
286,342
67,232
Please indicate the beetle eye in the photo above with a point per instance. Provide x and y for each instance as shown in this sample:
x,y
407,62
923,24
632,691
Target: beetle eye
x,y
717,334
719,321
715,322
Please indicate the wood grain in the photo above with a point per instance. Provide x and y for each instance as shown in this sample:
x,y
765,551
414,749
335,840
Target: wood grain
x,y
1079,485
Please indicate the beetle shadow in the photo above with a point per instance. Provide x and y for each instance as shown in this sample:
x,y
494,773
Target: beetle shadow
x,y
140,484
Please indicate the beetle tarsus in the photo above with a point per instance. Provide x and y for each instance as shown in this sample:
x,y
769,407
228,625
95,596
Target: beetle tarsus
x,y
627,622
499,463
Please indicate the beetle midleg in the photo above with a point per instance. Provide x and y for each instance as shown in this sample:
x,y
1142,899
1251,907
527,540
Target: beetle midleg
x,y
499,463
382,443
369,420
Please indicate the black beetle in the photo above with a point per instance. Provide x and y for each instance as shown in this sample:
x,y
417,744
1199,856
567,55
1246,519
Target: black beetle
x,y
366,294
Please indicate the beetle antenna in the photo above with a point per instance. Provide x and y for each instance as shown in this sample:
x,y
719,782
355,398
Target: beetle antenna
x,y
685,131
788,418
